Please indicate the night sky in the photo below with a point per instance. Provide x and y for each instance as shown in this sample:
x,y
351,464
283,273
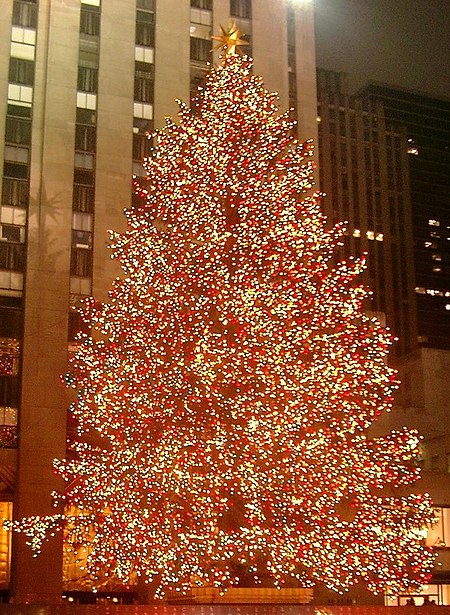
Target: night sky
x,y
397,42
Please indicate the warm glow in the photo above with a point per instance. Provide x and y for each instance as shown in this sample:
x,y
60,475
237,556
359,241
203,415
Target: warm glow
x,y
224,398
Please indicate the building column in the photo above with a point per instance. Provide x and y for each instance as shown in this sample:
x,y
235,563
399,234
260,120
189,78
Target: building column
x,y
44,399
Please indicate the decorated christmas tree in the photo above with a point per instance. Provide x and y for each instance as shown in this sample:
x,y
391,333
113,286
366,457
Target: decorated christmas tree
x,y
225,394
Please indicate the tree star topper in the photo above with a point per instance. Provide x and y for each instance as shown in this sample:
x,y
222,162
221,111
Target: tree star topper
x,y
230,39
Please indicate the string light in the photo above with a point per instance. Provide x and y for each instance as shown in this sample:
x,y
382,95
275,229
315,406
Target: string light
x,y
224,397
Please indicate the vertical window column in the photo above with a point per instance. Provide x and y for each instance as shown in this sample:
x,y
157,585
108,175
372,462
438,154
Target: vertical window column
x,y
292,62
15,185
10,342
200,31
144,83
241,15
81,258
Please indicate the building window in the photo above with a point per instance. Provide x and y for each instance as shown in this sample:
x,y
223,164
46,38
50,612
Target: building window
x,y
12,256
85,138
84,160
12,233
15,170
18,131
9,399
21,71
146,5
202,4
14,153
90,22
143,110
81,262
144,82
15,193
83,177
141,146
24,14
292,83
143,89
87,79
9,356
241,8
200,49
76,325
81,240
197,81
83,199
145,28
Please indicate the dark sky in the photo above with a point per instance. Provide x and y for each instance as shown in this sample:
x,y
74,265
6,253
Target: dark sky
x,y
399,42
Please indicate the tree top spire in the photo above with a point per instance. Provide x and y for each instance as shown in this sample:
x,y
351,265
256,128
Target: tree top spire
x,y
230,39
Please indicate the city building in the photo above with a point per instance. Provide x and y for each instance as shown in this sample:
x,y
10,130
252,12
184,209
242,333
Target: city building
x,y
427,124
365,175
384,157
81,82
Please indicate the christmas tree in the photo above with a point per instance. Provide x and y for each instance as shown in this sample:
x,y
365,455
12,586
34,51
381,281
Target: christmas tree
x,y
225,394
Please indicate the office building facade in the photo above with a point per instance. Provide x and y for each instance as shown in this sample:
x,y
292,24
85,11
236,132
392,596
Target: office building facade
x,y
426,120
384,161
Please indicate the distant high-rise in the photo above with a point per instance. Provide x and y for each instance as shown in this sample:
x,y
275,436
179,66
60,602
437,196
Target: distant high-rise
x,y
427,124
385,166
82,81
364,173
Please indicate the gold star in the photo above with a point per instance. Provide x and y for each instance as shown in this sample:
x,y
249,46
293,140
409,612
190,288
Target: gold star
x,y
230,39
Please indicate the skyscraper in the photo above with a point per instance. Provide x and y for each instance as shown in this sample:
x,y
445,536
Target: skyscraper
x,y
82,81
426,121
365,175
384,161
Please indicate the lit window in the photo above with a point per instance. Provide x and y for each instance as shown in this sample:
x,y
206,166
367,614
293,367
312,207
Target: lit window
x,y
433,222
436,257
143,110
437,270
9,366
370,235
5,543
356,233
86,100
420,290
379,237
412,148
20,95
447,307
